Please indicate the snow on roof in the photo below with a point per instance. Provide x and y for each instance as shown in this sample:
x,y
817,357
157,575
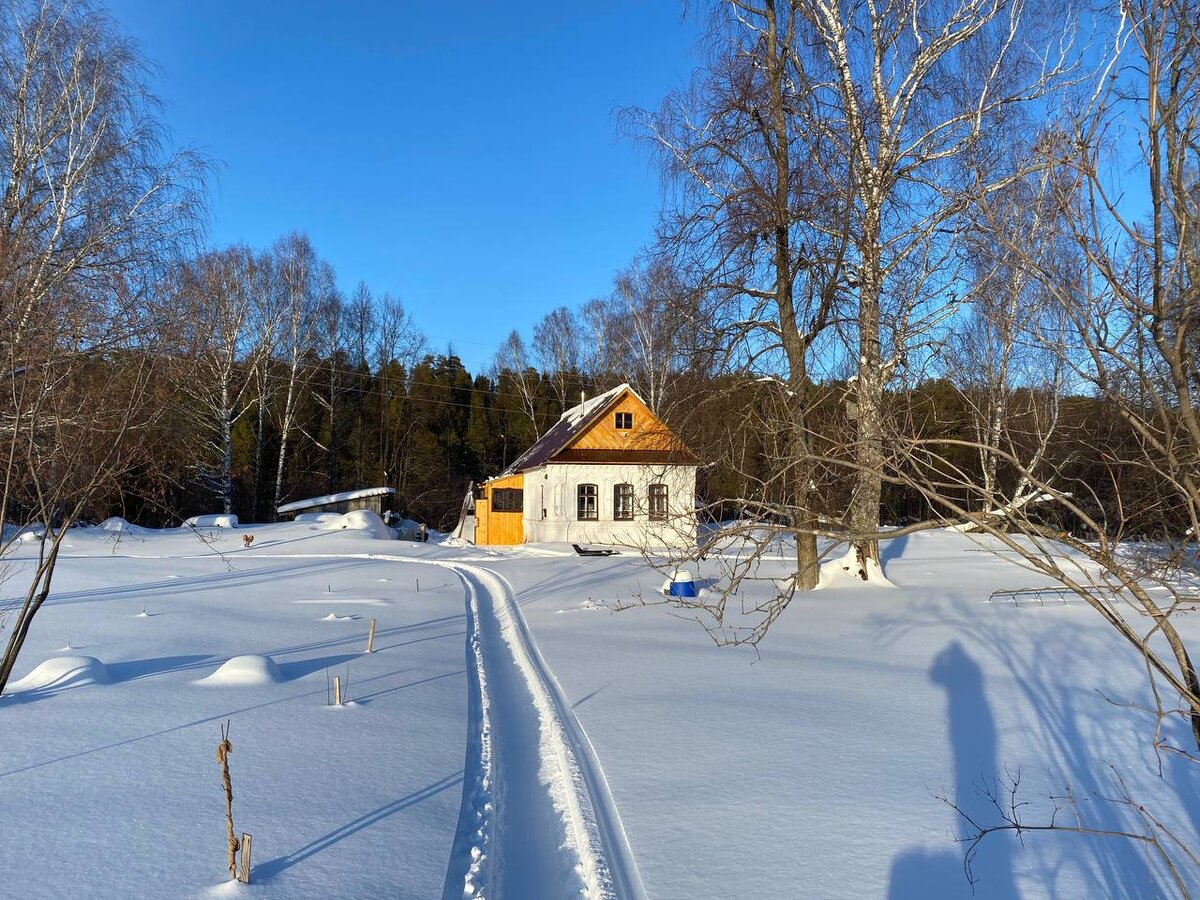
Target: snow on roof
x,y
570,424
334,498
579,413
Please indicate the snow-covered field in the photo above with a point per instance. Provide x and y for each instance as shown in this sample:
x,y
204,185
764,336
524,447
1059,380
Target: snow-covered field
x,y
512,737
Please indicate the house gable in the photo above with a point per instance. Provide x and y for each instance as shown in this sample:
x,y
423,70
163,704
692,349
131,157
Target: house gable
x,y
646,432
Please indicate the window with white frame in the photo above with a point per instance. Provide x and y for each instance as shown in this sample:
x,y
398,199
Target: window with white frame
x,y
623,502
658,503
587,502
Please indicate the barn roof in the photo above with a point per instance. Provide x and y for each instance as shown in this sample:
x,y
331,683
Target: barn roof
x,y
334,498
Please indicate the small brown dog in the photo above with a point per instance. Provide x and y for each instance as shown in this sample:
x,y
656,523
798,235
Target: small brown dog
x,y
247,540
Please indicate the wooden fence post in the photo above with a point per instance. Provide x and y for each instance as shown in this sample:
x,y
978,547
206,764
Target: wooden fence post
x,y
371,637
337,690
245,876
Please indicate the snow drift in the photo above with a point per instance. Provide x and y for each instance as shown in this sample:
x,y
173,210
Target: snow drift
x,y
63,671
122,526
316,517
216,520
360,520
245,671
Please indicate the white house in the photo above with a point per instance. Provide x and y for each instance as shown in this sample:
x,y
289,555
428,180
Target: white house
x,y
609,472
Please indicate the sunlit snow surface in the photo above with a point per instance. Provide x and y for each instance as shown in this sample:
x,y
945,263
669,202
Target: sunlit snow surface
x,y
813,771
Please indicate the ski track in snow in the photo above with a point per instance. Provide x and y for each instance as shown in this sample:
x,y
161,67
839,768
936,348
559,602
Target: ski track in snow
x,y
557,832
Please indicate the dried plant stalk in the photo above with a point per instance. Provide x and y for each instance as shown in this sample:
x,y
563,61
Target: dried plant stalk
x,y
223,750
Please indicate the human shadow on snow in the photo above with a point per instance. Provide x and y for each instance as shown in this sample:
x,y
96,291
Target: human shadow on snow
x,y
1073,744
929,873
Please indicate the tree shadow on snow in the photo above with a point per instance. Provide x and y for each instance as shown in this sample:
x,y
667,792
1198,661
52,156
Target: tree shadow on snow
x,y
364,699
206,720
135,669
301,667
271,870
892,548
222,581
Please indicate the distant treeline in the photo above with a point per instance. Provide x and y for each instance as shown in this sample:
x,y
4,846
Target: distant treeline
x,y
429,428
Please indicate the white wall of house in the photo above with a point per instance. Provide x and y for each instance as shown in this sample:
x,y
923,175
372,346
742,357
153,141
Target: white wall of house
x,y
553,488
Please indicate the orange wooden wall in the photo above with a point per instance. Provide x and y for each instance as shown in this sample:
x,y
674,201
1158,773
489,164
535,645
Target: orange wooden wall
x,y
498,527
648,432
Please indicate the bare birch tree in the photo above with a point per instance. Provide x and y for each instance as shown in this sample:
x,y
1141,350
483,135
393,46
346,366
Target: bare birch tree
x,y
397,345
92,207
264,327
557,352
649,316
512,360
1130,310
907,92
1008,338
302,283
330,347
216,296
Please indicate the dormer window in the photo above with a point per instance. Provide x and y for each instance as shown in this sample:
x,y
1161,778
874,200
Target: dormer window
x,y
624,421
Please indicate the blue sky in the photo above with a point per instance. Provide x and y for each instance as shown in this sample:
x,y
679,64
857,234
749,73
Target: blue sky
x,y
462,156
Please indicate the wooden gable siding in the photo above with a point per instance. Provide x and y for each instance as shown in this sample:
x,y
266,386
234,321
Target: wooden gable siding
x,y
648,431
498,527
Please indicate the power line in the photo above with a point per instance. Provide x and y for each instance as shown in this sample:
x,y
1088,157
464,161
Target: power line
x,y
325,368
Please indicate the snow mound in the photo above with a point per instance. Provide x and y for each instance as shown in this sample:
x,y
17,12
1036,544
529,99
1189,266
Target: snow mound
x,y
334,617
245,671
844,568
121,526
63,671
317,517
212,521
360,520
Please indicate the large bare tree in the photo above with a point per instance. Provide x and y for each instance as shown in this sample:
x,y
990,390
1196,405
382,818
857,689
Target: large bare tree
x,y
1123,285
909,93
92,207
758,228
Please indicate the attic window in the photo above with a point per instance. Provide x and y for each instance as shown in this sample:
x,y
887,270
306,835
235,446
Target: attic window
x,y
624,421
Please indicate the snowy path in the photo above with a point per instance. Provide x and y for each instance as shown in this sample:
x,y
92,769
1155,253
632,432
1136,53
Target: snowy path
x,y
537,818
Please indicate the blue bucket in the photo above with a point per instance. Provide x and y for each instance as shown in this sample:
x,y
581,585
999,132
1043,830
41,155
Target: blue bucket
x,y
682,585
